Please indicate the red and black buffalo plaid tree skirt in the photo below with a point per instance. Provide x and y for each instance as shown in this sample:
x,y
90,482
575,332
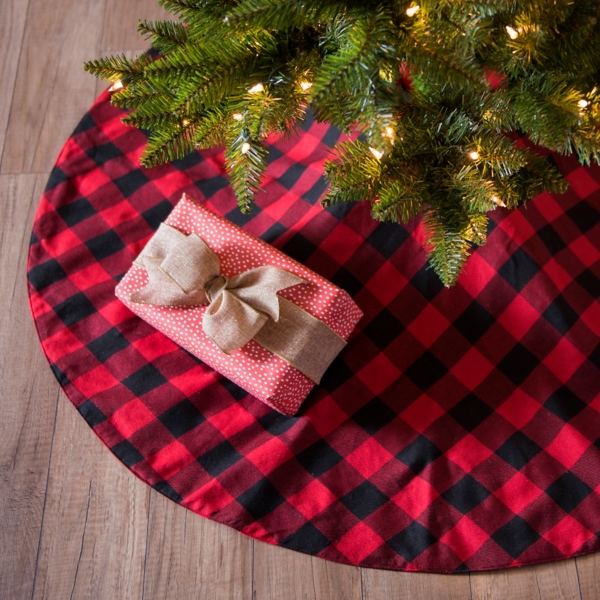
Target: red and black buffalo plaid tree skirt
x,y
459,429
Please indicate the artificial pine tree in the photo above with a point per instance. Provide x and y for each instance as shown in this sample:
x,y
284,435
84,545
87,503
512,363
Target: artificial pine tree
x,y
414,80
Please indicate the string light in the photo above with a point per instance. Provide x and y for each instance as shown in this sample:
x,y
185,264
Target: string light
x,y
512,33
389,132
305,85
255,89
185,122
376,153
245,147
582,103
497,201
238,116
411,11
474,155
117,85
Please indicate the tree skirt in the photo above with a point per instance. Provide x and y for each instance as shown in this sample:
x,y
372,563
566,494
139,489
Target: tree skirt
x,y
459,429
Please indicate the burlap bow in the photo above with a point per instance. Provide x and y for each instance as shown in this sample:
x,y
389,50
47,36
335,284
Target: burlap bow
x,y
184,271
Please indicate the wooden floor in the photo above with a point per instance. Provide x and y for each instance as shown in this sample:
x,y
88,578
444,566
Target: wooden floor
x,y
74,523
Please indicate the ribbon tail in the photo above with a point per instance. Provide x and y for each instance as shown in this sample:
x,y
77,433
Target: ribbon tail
x,y
230,323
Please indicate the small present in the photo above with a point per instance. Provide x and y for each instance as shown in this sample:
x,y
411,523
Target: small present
x,y
250,312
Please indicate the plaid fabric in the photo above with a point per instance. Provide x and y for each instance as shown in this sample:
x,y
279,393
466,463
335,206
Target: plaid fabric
x,y
460,428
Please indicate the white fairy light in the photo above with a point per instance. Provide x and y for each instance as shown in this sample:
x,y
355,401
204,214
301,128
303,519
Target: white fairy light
x,y
185,122
117,85
497,201
245,147
238,116
512,33
474,155
411,11
582,103
255,89
389,132
376,153
305,85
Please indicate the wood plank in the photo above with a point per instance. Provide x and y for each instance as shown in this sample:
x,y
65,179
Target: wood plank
x,y
120,25
29,397
12,26
95,524
281,573
588,568
553,581
389,585
190,557
52,92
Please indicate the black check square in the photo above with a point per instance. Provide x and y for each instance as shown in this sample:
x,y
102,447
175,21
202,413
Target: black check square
x,y
412,541
103,153
76,211
91,413
155,215
166,490
108,344
57,176
426,370
261,499
131,182
299,248
515,537
561,315
564,404
589,282
427,282
418,454
49,272
219,458
552,240
345,280
292,175
474,322
209,187
387,238
518,450
74,309
374,415
181,418
470,412
307,539
466,494
276,423
105,244
584,216
318,458
383,329
144,380
336,375
364,500
518,364
519,269
568,491
127,453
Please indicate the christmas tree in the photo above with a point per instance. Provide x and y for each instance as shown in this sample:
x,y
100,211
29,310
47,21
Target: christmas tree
x,y
437,96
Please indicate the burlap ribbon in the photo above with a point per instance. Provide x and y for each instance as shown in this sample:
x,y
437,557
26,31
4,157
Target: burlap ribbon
x,y
184,271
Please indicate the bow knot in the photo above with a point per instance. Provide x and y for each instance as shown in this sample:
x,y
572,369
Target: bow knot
x,y
215,287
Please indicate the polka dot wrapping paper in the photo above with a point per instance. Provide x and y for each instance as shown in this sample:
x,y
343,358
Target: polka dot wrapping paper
x,y
458,430
253,368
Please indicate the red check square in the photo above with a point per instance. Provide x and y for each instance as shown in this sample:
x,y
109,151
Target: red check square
x,y
358,543
468,453
568,535
270,455
312,499
386,283
465,538
421,413
131,418
429,325
582,182
342,243
472,368
518,492
378,374
170,459
369,457
519,408
209,499
568,446
415,497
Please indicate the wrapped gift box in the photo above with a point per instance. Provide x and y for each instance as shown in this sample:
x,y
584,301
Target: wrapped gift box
x,y
254,368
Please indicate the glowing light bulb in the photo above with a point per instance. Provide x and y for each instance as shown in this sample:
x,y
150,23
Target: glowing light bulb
x,y
376,153
245,147
238,116
117,85
582,103
255,89
185,122
389,132
305,85
497,201
411,11
513,34
474,155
